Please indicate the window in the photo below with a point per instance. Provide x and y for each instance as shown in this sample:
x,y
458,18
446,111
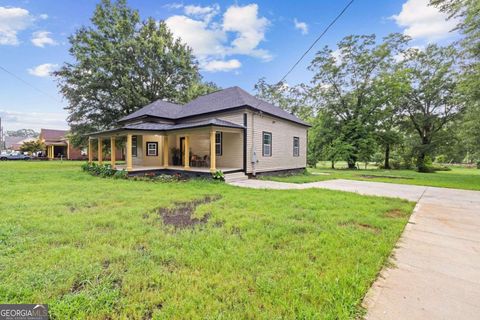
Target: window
x,y
134,146
218,143
296,146
267,144
152,148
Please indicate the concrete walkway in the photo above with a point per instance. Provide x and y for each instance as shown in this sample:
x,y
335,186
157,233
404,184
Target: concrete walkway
x,y
437,260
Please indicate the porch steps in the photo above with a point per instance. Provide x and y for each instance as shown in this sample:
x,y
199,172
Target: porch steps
x,y
234,177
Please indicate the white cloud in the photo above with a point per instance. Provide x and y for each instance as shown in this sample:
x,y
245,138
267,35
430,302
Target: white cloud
x,y
302,26
204,13
250,30
43,70
14,120
12,21
198,35
221,65
43,16
42,38
239,32
173,5
423,21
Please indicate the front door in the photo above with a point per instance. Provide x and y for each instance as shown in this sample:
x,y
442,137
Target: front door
x,y
182,150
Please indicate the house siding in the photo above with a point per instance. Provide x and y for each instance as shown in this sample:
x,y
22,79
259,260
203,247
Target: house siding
x,y
282,131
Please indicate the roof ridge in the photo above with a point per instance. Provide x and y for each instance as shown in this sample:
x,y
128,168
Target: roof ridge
x,y
241,92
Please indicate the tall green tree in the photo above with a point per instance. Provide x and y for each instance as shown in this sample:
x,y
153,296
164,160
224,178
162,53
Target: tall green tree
x,y
120,64
431,102
294,99
33,146
344,82
467,13
22,133
388,92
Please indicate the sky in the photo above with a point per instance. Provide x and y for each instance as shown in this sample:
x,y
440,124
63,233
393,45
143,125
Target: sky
x,y
235,42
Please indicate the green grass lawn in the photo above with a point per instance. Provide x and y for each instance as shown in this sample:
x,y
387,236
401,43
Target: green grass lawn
x,y
99,248
459,178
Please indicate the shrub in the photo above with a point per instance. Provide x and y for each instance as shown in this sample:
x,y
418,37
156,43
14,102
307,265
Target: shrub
x,y
441,159
103,170
441,168
218,175
121,174
478,164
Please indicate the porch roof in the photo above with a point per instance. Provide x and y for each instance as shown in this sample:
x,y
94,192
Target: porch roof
x,y
155,126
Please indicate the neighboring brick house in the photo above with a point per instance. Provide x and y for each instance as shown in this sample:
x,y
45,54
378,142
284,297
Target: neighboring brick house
x,y
58,146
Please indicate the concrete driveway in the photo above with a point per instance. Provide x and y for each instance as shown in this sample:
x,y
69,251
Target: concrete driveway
x,y
437,259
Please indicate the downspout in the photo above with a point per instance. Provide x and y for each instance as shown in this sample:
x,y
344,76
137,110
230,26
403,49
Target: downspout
x,y
254,153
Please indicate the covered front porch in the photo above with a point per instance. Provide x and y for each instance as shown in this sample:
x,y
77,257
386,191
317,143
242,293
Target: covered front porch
x,y
201,150
57,150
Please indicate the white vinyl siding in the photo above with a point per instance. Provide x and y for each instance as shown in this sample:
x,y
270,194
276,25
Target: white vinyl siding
x,y
283,132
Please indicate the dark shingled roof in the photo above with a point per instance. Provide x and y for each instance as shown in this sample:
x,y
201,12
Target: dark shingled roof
x,y
155,126
159,108
222,100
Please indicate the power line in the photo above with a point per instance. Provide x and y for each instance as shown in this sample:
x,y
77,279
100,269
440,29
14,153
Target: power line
x,y
316,40
28,84
313,44
305,53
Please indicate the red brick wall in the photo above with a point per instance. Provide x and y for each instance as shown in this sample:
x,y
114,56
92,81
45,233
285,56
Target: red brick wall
x,y
75,154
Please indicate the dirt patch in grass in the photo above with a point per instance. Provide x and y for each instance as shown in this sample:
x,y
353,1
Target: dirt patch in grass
x,y
180,216
361,226
395,213
369,176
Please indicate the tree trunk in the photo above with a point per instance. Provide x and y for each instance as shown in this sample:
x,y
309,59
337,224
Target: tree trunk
x,y
387,157
333,164
422,154
421,167
352,161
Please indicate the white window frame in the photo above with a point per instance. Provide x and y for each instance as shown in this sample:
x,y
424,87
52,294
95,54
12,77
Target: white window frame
x,y
154,149
218,143
134,146
296,148
267,146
